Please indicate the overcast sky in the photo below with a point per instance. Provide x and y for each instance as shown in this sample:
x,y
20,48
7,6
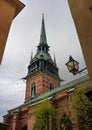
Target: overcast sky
x,y
24,37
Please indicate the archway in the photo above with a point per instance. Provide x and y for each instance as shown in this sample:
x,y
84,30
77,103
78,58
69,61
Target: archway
x,y
65,123
24,127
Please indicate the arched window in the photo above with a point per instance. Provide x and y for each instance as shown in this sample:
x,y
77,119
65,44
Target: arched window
x,y
51,86
65,123
24,127
33,90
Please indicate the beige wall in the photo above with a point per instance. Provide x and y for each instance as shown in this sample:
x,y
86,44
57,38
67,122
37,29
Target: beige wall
x,y
9,9
82,14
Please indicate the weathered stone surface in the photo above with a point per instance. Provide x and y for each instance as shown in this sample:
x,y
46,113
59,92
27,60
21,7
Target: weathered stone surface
x,y
9,9
82,14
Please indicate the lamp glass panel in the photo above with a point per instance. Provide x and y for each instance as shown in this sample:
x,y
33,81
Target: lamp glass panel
x,y
69,68
76,65
70,64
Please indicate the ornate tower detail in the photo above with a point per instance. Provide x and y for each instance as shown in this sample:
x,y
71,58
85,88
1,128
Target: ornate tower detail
x,y
42,71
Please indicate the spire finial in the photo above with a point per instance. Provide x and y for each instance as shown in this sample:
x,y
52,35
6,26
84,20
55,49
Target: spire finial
x,y
43,39
31,55
42,15
55,60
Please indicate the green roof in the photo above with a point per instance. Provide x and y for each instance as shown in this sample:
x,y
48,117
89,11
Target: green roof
x,y
69,85
61,88
43,55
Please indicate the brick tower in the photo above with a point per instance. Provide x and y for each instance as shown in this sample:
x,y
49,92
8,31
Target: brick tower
x,y
42,71
42,80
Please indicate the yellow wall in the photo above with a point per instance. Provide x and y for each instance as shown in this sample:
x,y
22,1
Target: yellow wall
x,y
82,14
8,12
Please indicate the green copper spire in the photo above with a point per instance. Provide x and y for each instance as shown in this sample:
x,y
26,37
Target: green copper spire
x,y
55,61
42,59
43,39
31,56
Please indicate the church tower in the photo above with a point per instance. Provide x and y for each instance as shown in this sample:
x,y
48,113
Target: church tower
x,y
43,73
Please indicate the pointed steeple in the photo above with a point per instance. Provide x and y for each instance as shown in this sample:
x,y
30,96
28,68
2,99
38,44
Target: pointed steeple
x,y
42,59
55,61
43,39
31,56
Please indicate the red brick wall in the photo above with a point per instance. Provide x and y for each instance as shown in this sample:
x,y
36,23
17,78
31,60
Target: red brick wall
x,y
42,81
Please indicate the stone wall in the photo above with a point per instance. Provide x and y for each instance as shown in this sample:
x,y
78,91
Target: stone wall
x,y
81,11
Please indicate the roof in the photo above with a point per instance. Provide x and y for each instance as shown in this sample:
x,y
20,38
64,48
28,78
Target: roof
x,y
3,124
69,85
43,55
61,88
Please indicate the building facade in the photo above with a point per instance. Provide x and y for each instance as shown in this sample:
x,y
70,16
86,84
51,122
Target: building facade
x,y
84,29
83,24
10,9
43,81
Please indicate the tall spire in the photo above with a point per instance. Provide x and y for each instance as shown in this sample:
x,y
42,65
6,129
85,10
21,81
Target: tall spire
x,y
43,39
31,56
55,60
42,58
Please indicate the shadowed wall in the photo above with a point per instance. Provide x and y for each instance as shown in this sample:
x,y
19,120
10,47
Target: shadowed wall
x,y
9,9
82,14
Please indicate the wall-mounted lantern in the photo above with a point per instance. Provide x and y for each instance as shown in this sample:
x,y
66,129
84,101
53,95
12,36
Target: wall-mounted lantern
x,y
73,66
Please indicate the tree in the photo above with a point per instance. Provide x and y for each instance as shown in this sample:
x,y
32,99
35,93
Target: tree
x,y
82,107
44,111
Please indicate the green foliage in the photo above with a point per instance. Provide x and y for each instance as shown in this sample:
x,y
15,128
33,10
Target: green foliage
x,y
44,108
82,106
43,112
39,125
65,123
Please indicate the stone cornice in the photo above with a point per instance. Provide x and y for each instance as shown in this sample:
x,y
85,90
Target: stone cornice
x,y
17,4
